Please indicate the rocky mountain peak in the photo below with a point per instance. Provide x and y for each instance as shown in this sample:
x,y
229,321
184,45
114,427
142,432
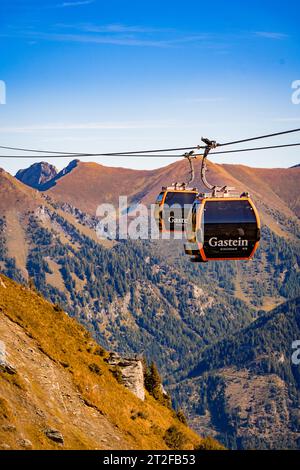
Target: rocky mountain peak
x,y
43,175
37,175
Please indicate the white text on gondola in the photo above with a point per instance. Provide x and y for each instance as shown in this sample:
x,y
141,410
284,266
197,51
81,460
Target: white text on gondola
x,y
215,242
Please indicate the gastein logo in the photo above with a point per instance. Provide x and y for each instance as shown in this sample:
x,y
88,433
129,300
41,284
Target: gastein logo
x,y
174,220
239,242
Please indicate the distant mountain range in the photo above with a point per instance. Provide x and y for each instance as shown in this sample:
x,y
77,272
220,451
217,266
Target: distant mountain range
x,y
142,295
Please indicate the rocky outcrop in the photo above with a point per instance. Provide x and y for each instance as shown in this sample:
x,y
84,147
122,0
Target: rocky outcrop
x,y
25,443
132,373
4,364
54,435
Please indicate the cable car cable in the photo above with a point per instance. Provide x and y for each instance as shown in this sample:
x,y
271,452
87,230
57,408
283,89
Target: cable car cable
x,y
210,144
58,153
259,137
256,148
37,151
100,154
150,156
195,155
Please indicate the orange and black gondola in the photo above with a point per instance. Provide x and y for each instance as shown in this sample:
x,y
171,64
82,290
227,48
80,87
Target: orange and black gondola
x,y
172,207
174,203
219,225
222,228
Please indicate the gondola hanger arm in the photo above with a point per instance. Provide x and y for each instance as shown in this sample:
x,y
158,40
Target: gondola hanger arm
x,y
189,156
210,144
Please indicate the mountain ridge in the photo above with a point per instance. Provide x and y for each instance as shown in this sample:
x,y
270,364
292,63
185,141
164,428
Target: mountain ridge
x,y
100,184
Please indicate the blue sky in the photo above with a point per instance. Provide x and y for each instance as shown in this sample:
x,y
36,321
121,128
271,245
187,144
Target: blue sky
x,y
93,76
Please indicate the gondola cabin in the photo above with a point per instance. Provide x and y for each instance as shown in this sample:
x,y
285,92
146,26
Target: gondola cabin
x,y
222,228
173,206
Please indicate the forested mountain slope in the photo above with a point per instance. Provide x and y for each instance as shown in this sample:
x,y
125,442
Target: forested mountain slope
x,y
245,389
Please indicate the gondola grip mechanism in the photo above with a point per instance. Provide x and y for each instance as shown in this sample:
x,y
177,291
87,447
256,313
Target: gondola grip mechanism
x,y
210,144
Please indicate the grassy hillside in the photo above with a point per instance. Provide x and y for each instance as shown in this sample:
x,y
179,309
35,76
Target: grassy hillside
x,y
280,183
91,184
57,379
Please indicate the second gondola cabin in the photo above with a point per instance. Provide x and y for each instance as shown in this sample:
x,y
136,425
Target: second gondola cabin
x,y
223,228
173,206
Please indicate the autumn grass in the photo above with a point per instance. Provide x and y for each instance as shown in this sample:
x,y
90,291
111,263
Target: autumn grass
x,y
70,346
